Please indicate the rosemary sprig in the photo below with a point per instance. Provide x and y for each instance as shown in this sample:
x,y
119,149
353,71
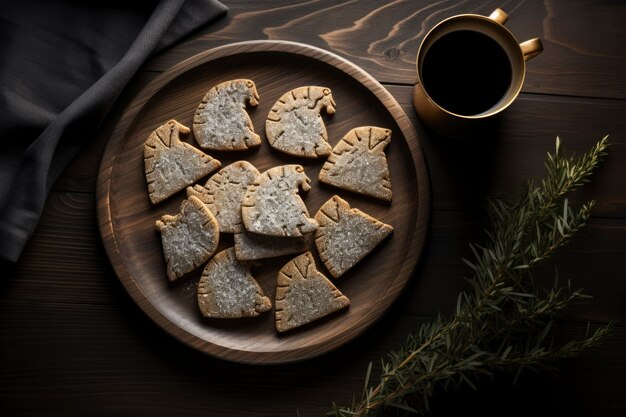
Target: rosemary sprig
x,y
505,321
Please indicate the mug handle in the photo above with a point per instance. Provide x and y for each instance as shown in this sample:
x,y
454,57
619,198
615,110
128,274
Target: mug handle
x,y
499,16
531,48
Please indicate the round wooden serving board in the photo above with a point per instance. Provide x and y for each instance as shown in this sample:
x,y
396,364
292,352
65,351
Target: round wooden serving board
x,y
127,219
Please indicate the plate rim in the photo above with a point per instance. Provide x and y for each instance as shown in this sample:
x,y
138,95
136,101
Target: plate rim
x,y
114,146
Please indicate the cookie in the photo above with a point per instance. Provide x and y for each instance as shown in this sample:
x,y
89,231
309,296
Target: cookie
x,y
303,294
221,122
295,126
358,163
272,205
227,290
189,238
224,192
251,246
345,235
172,165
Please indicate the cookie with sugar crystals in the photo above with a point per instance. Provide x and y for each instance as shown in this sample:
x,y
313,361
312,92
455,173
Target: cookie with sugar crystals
x,y
272,205
224,192
221,122
251,246
303,294
295,126
228,290
170,164
189,238
345,235
358,163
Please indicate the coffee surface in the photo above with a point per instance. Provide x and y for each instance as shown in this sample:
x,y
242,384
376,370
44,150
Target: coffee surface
x,y
466,72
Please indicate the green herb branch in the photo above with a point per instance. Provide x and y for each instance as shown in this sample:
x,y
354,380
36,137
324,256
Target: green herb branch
x,y
505,321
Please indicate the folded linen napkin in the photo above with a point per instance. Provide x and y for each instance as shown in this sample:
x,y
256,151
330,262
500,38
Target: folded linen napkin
x,y
62,66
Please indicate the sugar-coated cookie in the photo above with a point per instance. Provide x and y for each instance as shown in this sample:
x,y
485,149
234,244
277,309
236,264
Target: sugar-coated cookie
x,y
228,290
358,163
345,235
294,125
189,238
303,294
172,165
224,192
221,122
272,205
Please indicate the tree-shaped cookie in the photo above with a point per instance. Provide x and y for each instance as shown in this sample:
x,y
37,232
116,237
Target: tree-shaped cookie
x,y
358,163
295,126
303,294
189,238
228,290
221,122
224,192
172,165
345,235
272,205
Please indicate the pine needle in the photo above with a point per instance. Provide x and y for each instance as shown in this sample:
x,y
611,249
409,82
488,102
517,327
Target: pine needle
x,y
504,322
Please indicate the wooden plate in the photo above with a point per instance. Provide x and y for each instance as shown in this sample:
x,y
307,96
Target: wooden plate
x,y
127,218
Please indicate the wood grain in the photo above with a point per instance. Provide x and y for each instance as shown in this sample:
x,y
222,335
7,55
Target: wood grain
x,y
122,363
74,342
464,174
383,37
587,262
81,273
127,218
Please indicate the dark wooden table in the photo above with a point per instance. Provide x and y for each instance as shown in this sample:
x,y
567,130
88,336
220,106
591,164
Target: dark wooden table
x,y
72,342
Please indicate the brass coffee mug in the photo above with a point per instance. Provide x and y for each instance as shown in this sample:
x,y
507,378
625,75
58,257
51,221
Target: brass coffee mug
x,y
469,68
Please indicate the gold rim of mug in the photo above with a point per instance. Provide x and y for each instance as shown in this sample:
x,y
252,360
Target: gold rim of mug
x,y
499,106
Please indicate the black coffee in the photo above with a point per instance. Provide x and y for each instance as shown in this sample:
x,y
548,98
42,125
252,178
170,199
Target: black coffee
x,y
466,72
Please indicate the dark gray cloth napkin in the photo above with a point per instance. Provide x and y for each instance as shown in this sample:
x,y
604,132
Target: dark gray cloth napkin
x,y
62,66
